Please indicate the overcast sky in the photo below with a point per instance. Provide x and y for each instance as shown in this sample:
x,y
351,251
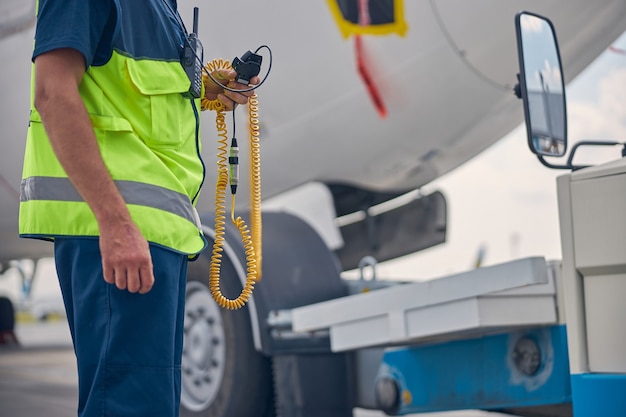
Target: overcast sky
x,y
504,200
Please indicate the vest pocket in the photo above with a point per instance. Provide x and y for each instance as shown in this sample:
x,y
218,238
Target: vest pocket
x,y
160,85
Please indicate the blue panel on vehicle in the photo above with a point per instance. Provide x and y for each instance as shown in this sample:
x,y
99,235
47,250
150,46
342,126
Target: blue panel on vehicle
x,y
520,369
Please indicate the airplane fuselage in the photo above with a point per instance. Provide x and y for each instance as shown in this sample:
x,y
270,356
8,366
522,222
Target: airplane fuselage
x,y
445,85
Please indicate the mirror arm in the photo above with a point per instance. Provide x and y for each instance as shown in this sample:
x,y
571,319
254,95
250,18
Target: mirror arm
x,y
570,159
552,166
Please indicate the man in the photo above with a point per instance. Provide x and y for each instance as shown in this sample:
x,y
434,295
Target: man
x,y
112,171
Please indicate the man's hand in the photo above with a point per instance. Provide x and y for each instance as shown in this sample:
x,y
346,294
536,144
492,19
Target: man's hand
x,y
126,260
230,99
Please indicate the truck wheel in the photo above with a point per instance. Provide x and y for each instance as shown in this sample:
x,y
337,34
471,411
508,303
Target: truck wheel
x,y
222,373
7,315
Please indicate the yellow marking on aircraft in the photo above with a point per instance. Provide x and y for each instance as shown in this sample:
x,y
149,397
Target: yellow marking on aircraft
x,y
348,28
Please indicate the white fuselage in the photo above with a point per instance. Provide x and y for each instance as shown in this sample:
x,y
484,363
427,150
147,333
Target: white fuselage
x,y
446,85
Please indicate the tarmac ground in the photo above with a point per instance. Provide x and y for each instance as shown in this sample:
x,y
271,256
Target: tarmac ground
x,y
38,377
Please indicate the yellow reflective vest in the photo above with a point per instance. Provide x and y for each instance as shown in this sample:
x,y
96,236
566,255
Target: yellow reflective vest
x,y
148,134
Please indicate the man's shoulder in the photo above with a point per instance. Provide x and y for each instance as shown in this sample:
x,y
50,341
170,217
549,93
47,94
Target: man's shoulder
x,y
87,26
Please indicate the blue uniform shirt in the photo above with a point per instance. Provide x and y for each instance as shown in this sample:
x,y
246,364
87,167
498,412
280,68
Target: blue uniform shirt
x,y
149,29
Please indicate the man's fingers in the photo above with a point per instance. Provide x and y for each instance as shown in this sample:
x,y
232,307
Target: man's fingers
x,y
147,279
141,281
109,274
225,75
231,98
225,101
238,98
120,279
132,281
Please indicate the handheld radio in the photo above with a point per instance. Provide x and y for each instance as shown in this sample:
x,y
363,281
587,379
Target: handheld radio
x,y
193,56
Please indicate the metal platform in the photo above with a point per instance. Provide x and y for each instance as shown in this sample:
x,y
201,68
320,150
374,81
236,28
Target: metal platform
x,y
487,300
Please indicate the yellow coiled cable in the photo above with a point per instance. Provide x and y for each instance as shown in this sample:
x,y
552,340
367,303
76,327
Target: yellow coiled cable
x,y
255,181
252,256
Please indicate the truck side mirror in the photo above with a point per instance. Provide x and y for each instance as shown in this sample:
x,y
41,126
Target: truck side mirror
x,y
541,85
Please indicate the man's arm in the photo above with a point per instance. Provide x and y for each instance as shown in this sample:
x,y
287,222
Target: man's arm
x,y
126,260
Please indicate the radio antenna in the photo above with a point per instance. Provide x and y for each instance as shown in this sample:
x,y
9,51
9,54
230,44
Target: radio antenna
x,y
195,20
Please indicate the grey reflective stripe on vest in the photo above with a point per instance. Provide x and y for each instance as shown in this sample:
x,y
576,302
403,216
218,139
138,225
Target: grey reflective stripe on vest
x,y
137,193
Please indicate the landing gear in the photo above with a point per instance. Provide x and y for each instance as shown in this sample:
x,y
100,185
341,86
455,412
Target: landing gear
x,y
222,373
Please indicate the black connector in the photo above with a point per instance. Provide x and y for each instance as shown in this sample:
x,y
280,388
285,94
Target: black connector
x,y
247,67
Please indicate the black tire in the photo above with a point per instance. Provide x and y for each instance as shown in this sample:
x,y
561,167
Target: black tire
x,y
7,315
223,374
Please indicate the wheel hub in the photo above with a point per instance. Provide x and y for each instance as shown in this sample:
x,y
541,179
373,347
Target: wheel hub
x,y
203,349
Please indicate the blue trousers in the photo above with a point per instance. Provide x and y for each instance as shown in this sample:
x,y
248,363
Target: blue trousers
x,y
128,346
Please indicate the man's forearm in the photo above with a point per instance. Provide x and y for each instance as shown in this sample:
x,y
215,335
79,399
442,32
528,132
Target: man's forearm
x,y
72,136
